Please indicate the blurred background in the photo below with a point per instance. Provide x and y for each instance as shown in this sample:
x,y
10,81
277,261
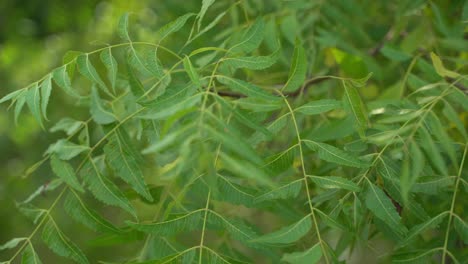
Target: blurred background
x,y
374,36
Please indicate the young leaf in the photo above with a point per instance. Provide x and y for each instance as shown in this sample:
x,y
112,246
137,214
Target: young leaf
x,y
103,188
440,69
33,98
287,234
251,38
61,78
100,114
192,73
12,243
87,70
298,69
66,172
66,150
111,65
334,182
173,26
125,165
205,5
336,155
60,244
354,105
246,88
68,125
310,256
382,207
19,105
76,208
46,88
320,106
12,96
252,63
30,256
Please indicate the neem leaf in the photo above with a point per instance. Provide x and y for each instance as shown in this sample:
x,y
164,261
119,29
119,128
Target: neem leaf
x,y
298,69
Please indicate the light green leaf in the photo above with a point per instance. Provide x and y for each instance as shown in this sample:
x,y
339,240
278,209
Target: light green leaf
x,y
213,23
440,69
153,65
259,105
68,125
87,70
252,63
103,188
310,256
33,99
205,5
76,208
46,88
246,88
12,243
66,150
125,164
382,207
355,106
245,169
30,256
192,73
335,182
186,223
52,185
251,38
282,161
12,96
328,220
111,65
122,28
60,244
288,234
319,106
100,114
162,109
288,191
298,69
336,155
433,186
19,105
136,86
65,171
61,78
173,26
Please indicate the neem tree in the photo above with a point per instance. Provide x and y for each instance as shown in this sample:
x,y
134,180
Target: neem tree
x,y
239,144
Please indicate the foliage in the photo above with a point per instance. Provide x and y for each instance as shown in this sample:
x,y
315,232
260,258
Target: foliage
x,y
257,134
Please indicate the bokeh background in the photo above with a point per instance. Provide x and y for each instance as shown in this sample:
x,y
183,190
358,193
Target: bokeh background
x,y
35,35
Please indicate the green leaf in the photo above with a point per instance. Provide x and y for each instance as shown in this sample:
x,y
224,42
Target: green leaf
x,y
65,171
336,155
68,125
12,243
66,150
252,63
245,169
87,70
432,151
298,69
33,99
60,244
30,256
288,191
173,26
251,38
288,234
19,105
76,208
382,207
100,114
111,65
440,69
205,5
47,187
122,28
104,189
192,73
136,86
462,228
319,106
46,88
121,159
334,182
233,193
186,223
415,231
310,256
246,88
355,106
433,186
162,109
452,115
236,229
61,78
12,96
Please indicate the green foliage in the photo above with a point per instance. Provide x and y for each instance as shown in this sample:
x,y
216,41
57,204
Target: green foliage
x,y
269,140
